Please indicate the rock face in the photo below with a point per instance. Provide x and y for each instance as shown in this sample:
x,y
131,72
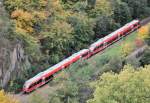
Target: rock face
x,y
13,62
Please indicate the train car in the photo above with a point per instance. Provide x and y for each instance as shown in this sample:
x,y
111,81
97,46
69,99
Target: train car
x,y
43,77
113,37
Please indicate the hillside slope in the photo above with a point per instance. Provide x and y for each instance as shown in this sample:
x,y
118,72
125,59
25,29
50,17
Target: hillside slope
x,y
82,72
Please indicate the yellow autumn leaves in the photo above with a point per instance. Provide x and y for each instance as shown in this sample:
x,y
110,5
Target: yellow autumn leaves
x,y
4,98
24,20
144,32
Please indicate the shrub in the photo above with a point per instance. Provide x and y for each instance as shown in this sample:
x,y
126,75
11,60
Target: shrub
x,y
128,86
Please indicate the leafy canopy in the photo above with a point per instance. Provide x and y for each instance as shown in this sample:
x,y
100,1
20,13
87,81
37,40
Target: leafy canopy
x,y
130,86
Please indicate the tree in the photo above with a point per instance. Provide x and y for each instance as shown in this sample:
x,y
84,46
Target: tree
x,y
67,93
4,98
126,49
91,3
83,30
144,33
115,65
102,7
130,86
56,40
145,58
138,8
104,26
24,21
122,13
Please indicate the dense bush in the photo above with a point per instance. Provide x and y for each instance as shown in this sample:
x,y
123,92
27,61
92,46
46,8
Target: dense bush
x,y
138,8
145,58
128,86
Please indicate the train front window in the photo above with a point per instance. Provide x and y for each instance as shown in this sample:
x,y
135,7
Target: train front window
x,y
24,86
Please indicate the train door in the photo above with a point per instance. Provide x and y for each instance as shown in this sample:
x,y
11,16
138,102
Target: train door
x,y
43,80
119,36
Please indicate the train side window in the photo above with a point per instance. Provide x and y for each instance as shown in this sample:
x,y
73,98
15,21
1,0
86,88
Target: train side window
x,y
135,25
95,48
32,85
98,47
39,81
48,78
84,54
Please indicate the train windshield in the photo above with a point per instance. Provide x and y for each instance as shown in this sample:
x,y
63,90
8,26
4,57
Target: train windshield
x,y
25,86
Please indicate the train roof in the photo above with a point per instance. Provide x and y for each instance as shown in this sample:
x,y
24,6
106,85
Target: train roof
x,y
97,42
64,61
120,29
34,78
82,51
113,33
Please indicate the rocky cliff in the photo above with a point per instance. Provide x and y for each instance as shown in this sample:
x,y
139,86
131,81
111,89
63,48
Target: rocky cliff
x,y
13,60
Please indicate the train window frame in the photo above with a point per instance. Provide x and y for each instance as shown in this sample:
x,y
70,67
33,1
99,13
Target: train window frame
x,y
49,78
39,81
135,25
85,54
32,85
97,47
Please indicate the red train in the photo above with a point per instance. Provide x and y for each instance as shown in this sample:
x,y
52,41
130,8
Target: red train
x,y
45,76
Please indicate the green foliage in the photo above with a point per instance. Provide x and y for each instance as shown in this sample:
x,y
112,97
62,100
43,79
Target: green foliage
x,y
91,3
102,7
114,64
121,11
5,25
59,35
145,59
83,30
16,85
138,8
57,40
67,93
135,62
126,87
127,48
79,7
104,25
